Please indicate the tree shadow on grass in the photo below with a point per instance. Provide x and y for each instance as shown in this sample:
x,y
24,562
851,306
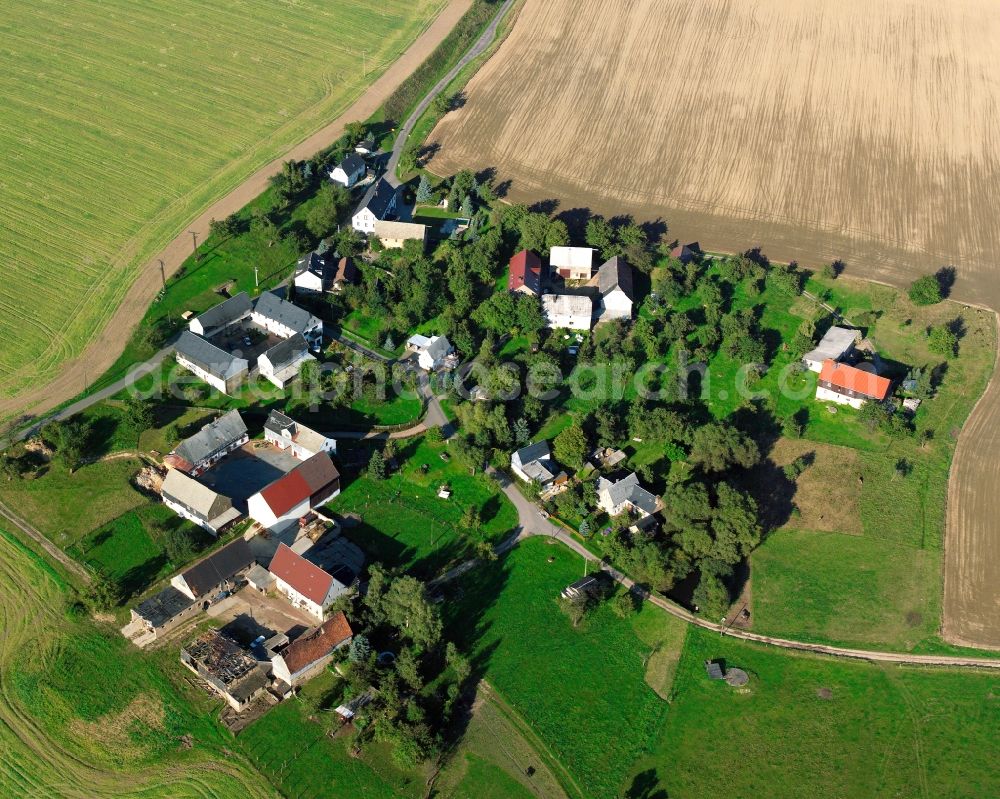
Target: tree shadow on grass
x,y
646,785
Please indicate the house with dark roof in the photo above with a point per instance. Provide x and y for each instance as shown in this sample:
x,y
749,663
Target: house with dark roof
x,y
230,671
626,495
849,385
534,464
285,319
217,572
209,445
318,272
432,353
365,146
309,485
837,343
163,611
226,314
309,654
197,503
379,201
524,273
685,252
285,433
349,171
303,583
282,362
220,369
616,294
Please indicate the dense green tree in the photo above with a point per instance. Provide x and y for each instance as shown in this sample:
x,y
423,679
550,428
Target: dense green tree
x,y
138,414
424,190
376,466
600,235
408,608
104,592
925,290
717,446
941,340
325,212
570,447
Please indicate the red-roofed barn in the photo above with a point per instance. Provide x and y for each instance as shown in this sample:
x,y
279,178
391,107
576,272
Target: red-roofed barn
x,y
848,385
305,584
312,483
312,650
525,274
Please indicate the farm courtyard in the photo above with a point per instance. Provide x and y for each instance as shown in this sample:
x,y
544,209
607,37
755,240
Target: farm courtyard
x,y
122,123
818,131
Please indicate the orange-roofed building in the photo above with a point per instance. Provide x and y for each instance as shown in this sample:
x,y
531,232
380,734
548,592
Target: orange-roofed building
x,y
848,385
308,654
304,584
525,273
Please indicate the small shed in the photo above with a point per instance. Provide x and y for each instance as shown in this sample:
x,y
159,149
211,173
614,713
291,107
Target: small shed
x,y
260,578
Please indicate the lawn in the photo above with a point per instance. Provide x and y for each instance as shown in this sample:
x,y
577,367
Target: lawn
x,y
810,726
65,507
84,713
181,115
582,690
320,767
406,524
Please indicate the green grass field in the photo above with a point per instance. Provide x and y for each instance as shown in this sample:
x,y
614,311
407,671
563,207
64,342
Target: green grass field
x,y
582,690
809,726
122,123
84,714
406,524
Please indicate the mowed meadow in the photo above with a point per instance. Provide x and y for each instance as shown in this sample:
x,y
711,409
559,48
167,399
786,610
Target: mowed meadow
x,y
121,121
851,130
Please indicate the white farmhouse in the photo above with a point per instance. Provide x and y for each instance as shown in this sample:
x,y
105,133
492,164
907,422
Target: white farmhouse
x,y
614,284
197,503
837,343
432,353
285,319
285,433
281,363
572,263
221,370
570,311
216,572
379,201
308,654
309,485
534,464
848,385
224,315
304,584
209,445
349,171
627,495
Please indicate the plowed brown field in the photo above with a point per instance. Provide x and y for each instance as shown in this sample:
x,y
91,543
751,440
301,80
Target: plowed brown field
x,y
854,130
861,131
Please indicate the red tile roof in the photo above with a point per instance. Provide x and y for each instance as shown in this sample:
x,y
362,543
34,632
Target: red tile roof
x,y
305,577
849,378
304,481
318,643
525,270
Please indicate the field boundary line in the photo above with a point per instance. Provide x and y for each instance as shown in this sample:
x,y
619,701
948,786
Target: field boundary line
x,y
51,549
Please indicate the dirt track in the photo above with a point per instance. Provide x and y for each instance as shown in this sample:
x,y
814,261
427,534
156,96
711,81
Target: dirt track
x,y
972,546
105,349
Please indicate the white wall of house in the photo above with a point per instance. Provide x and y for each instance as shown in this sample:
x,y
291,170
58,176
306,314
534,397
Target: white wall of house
x,y
516,468
178,582
309,281
184,513
223,386
305,603
616,305
300,452
364,221
826,395
261,512
280,670
605,502
338,175
267,370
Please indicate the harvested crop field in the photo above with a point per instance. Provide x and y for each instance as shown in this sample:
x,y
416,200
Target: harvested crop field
x,y
121,122
851,130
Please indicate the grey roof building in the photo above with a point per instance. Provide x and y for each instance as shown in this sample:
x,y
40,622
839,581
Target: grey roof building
x,y
270,307
379,198
836,343
614,497
210,443
533,463
214,571
615,274
197,502
159,610
213,361
287,352
226,313
353,163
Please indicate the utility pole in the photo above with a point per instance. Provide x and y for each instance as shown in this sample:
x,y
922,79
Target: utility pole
x,y
163,274
256,282
194,244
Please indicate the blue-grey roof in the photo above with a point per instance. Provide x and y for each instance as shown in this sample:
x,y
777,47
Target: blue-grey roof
x,y
270,305
212,359
225,313
628,489
835,342
533,452
615,274
213,437
378,198
287,352
352,163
